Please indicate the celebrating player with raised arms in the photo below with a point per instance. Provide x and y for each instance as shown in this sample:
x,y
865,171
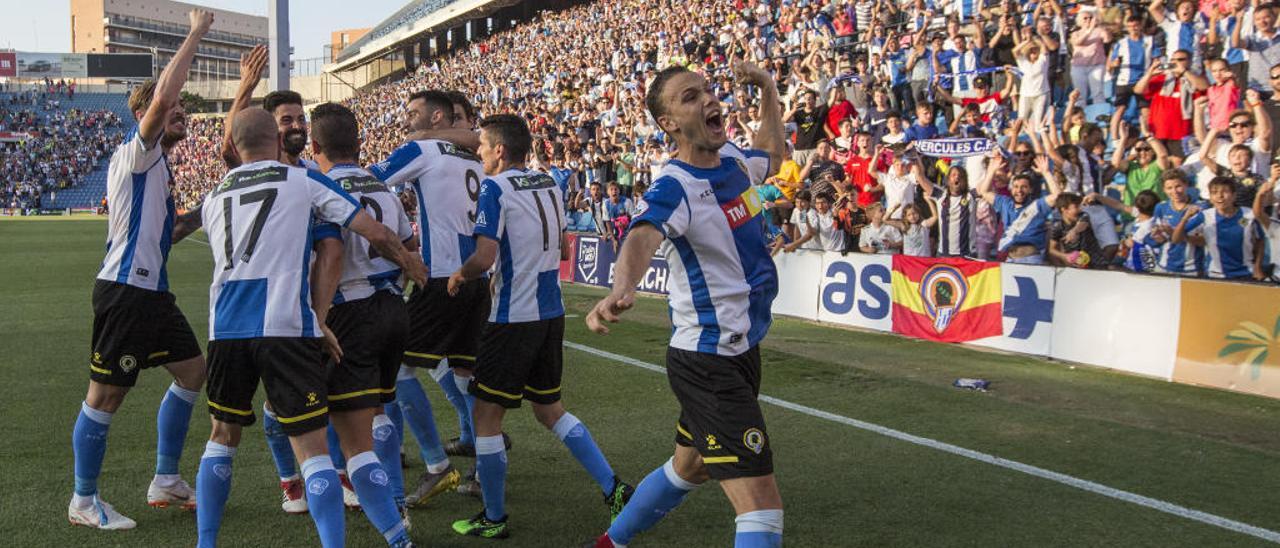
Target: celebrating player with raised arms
x,y
442,329
520,229
705,214
136,323
261,321
369,321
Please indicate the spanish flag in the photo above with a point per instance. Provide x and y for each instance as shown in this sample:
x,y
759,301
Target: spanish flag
x,y
947,300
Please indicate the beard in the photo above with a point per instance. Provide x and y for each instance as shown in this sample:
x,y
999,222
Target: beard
x,y
172,137
295,141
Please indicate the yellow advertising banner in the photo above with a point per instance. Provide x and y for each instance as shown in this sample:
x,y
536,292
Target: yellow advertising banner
x,y
1229,337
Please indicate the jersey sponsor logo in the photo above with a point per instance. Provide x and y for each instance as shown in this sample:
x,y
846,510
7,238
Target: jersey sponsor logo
x,y
142,272
754,439
243,179
481,220
742,208
536,181
363,184
450,149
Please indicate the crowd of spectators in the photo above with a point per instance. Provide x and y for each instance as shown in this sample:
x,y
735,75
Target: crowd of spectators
x,y
1102,134
45,148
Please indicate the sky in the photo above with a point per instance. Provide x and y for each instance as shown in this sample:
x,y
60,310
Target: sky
x,y
45,25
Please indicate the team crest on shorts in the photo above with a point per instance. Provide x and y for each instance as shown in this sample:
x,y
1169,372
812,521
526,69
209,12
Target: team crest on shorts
x,y
943,289
128,362
753,438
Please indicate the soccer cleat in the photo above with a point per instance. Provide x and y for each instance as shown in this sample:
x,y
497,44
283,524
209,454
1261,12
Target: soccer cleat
x,y
470,488
430,485
99,515
455,448
179,493
481,526
404,518
619,498
603,541
349,498
293,500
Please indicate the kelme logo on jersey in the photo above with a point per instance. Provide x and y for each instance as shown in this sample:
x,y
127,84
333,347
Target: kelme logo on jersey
x,y
743,208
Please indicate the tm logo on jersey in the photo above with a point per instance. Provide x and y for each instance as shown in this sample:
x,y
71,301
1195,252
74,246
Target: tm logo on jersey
x,y
743,208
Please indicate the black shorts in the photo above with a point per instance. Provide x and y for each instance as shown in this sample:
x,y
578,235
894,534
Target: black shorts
x,y
719,413
292,371
371,332
1123,93
134,329
441,326
520,361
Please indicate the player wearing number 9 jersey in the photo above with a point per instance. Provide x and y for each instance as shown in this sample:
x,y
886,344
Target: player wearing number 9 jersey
x,y
442,329
261,321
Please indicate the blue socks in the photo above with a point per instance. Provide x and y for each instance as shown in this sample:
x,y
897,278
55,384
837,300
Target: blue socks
x,y
455,390
660,492
335,449
324,500
575,436
491,470
89,443
759,529
386,444
278,441
417,412
213,486
371,483
172,421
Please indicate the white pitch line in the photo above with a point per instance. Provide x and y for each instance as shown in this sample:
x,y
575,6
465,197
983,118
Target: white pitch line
x,y
197,240
1072,481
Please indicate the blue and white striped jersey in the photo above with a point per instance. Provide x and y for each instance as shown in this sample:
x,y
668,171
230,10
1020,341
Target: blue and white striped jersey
x,y
962,64
446,179
723,280
141,215
363,270
1228,242
1135,57
1225,26
521,210
1186,36
260,220
1182,259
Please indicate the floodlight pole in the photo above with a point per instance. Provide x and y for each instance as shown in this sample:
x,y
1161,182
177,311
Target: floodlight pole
x,y
278,42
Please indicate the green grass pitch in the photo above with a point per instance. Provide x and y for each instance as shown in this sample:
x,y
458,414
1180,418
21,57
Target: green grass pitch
x,y
1204,449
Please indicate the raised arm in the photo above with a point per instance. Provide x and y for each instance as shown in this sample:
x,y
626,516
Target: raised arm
x,y
251,67
769,137
1262,133
171,80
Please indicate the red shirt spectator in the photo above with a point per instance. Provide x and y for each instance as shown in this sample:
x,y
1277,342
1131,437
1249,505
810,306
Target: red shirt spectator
x,y
860,171
1170,111
838,108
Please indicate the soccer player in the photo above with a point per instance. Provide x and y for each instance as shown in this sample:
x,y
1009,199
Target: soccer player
x,y
136,322
261,320
1234,241
520,227
702,212
446,181
291,122
369,321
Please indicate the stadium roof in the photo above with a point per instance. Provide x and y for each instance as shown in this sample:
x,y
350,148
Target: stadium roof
x,y
416,19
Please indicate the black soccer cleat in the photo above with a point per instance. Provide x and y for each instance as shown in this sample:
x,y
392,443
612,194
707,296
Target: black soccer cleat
x,y
619,498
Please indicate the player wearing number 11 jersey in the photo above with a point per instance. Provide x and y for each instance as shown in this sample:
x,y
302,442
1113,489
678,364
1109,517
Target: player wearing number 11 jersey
x,y
446,180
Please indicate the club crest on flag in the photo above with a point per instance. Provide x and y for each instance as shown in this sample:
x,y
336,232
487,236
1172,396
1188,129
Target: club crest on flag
x,y
943,289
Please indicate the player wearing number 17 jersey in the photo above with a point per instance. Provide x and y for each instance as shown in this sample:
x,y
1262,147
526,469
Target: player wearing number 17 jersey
x,y
261,321
446,180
